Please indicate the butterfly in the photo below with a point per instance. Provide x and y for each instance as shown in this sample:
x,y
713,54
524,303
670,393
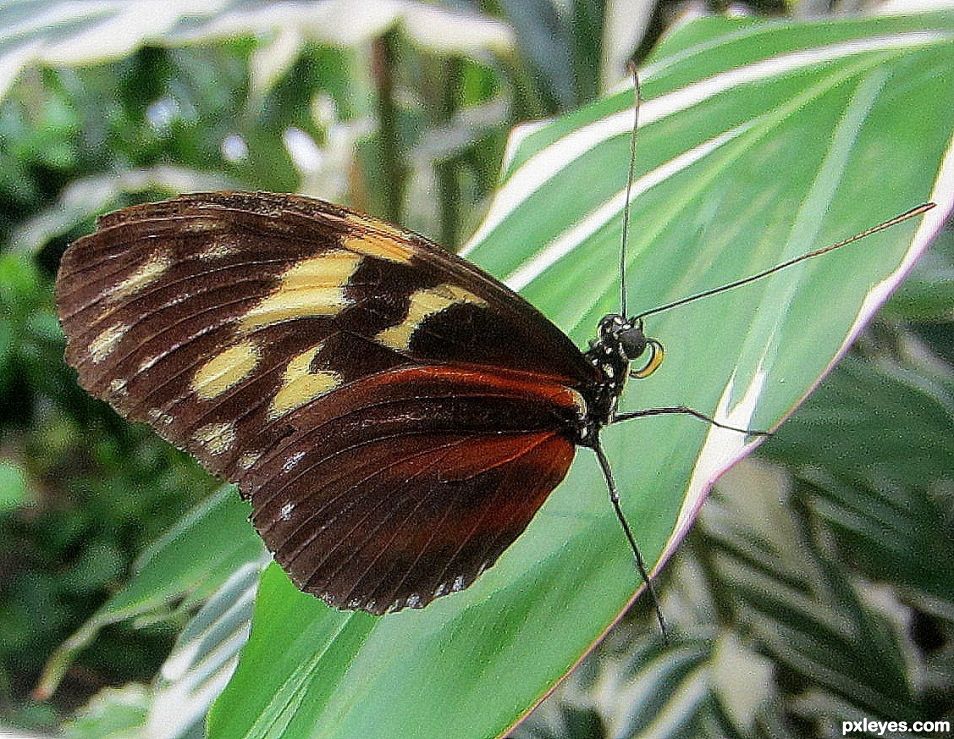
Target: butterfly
x,y
395,415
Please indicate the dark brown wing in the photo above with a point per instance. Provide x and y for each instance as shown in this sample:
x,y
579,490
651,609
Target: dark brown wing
x,y
211,316
396,415
408,484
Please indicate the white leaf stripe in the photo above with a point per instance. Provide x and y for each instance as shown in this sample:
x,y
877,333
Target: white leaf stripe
x,y
547,163
610,210
723,449
205,655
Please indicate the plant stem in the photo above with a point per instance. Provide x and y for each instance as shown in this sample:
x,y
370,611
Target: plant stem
x,y
392,164
448,185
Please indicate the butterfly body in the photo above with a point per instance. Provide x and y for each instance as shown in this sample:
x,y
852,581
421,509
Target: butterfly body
x,y
395,415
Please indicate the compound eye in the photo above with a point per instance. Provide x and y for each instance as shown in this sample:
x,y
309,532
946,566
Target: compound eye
x,y
655,359
633,341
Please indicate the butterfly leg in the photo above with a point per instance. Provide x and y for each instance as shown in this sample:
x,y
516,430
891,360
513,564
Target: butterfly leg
x,y
640,564
687,411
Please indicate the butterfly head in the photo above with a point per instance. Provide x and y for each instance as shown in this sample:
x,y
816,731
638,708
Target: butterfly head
x,y
628,339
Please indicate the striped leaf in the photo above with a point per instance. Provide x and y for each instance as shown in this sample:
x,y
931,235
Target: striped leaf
x,y
759,141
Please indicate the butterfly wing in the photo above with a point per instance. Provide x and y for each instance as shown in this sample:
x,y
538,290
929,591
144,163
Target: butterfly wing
x,y
209,316
225,319
407,484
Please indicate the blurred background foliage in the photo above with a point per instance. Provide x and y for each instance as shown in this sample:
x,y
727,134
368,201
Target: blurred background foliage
x,y
818,584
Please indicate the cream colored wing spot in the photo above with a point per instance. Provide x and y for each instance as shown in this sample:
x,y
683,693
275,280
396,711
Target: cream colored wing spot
x,y
200,225
148,363
147,273
108,339
373,224
216,438
378,239
424,303
286,511
225,370
300,385
248,460
157,416
220,247
313,287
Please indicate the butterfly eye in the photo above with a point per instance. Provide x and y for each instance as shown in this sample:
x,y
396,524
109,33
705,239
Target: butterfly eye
x,y
657,354
633,341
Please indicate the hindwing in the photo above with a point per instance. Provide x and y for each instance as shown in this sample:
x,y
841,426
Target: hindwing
x,y
407,484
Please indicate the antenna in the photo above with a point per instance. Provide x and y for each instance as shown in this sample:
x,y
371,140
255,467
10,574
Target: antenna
x,y
629,189
598,447
916,211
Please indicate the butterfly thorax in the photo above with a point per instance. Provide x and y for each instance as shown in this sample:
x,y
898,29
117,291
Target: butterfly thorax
x,y
608,354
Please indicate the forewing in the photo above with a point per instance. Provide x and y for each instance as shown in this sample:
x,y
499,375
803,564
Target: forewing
x,y
214,316
407,485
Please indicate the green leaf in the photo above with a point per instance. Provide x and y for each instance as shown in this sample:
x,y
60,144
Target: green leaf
x,y
839,643
187,564
193,675
83,32
704,683
928,294
14,491
760,142
113,712
877,472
